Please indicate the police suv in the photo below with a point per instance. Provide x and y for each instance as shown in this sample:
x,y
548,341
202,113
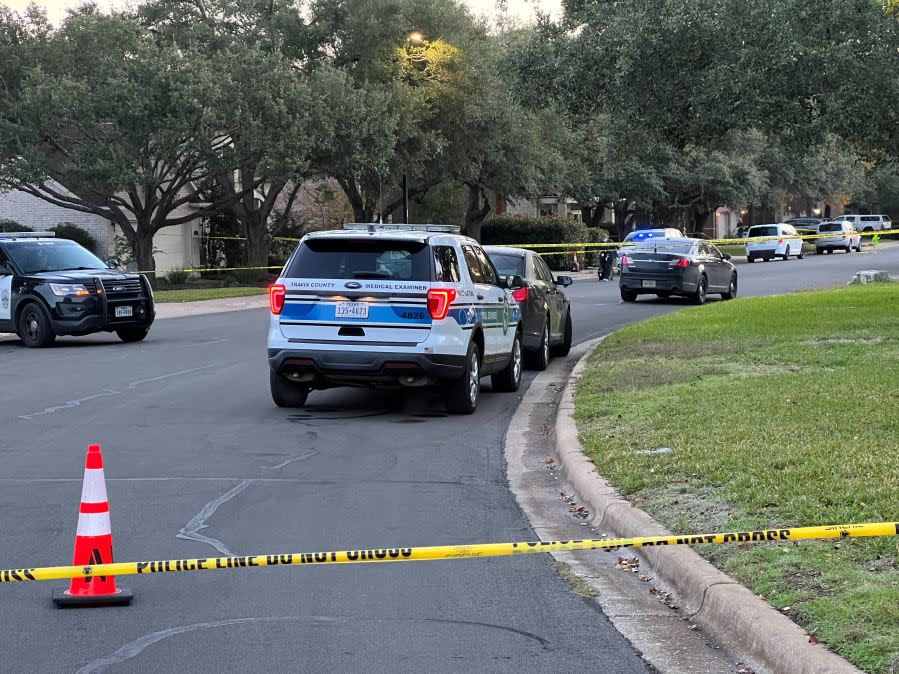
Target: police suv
x,y
51,287
392,305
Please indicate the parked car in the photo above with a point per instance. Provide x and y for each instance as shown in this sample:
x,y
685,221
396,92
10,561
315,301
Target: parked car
x,y
545,309
677,266
404,306
778,240
866,223
805,225
51,287
845,238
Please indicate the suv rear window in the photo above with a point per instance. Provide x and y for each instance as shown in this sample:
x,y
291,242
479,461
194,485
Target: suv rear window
x,y
361,259
770,230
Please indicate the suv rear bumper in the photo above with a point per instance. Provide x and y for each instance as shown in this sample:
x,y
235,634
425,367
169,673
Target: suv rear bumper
x,y
362,367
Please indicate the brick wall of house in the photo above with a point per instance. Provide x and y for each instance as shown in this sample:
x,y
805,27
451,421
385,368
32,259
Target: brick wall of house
x,y
41,215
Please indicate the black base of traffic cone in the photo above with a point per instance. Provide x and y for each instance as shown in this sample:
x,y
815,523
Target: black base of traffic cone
x,y
65,600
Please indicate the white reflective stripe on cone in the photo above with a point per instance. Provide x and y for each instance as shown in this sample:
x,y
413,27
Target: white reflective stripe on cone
x,y
93,524
94,488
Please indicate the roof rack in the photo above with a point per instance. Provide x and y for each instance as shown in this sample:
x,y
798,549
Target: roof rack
x,y
376,227
27,235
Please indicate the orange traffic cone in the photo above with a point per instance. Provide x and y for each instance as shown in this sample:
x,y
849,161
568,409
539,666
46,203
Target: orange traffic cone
x,y
93,543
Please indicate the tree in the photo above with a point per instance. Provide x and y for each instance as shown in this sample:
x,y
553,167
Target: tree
x,y
263,104
105,121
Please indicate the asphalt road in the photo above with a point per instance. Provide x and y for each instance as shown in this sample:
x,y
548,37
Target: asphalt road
x,y
200,463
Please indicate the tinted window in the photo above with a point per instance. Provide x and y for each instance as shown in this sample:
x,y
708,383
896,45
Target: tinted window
x,y
4,264
545,273
37,256
490,275
508,264
474,265
660,246
446,265
830,227
361,259
764,230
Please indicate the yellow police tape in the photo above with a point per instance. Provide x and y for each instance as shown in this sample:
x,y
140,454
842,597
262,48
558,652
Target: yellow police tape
x,y
578,246
442,552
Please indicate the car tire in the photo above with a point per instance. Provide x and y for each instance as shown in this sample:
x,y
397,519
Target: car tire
x,y
35,330
849,248
731,289
819,251
699,296
539,359
801,254
131,335
750,259
786,255
628,295
508,379
564,348
859,247
286,393
462,394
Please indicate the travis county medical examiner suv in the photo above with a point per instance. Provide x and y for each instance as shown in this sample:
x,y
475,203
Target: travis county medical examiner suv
x,y
392,305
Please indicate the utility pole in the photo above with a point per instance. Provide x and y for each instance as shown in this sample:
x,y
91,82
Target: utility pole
x,y
405,200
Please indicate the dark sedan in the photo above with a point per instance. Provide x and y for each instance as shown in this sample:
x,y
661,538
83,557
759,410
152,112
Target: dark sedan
x,y
685,267
545,310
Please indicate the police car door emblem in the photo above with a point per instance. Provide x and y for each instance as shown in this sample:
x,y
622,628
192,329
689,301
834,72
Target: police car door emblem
x,y
4,299
352,285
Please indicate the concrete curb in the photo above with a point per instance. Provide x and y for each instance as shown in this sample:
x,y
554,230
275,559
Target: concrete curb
x,y
722,606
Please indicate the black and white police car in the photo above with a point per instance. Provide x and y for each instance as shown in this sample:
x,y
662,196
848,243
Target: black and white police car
x,y
51,287
392,305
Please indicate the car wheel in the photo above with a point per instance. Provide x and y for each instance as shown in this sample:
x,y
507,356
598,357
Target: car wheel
x,y
564,348
801,254
699,296
859,247
786,255
509,378
541,357
286,393
750,259
628,295
819,251
35,330
731,289
129,335
462,394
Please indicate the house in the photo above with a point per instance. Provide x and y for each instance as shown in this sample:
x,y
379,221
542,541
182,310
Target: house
x,y
178,246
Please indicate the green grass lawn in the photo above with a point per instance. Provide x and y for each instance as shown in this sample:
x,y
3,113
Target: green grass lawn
x,y
196,294
777,411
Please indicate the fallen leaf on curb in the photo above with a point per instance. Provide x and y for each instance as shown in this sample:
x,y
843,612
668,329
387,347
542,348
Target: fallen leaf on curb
x,y
566,497
813,638
579,511
786,608
637,502
762,597
628,564
746,670
550,462
687,617
664,597
645,579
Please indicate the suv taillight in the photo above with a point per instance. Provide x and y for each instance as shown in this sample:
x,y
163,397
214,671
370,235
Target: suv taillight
x,y
439,300
520,295
276,295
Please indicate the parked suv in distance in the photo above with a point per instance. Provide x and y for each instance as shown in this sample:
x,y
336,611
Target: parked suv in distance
x,y
844,237
866,223
545,309
51,287
778,240
402,306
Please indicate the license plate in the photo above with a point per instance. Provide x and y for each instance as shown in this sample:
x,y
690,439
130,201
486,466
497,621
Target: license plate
x,y
352,310
124,312
649,284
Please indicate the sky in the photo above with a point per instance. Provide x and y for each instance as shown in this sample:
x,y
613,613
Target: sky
x,y
518,9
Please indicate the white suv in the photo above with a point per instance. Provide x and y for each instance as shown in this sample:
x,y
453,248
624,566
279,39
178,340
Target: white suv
x,y
392,305
866,223
766,242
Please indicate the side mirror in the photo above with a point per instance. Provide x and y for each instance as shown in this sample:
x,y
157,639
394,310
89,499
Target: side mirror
x,y
564,281
726,256
112,263
513,282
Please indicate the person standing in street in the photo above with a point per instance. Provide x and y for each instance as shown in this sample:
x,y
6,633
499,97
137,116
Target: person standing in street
x,y
606,258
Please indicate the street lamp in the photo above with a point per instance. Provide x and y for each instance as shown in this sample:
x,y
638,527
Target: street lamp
x,y
415,38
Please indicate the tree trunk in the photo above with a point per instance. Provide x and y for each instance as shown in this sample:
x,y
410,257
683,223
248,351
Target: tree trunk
x,y
142,244
476,212
253,224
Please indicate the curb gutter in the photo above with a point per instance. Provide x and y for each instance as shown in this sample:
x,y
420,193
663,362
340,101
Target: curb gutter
x,y
724,607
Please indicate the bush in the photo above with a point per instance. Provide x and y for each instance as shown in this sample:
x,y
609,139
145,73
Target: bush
x,y
13,226
176,277
80,236
526,230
